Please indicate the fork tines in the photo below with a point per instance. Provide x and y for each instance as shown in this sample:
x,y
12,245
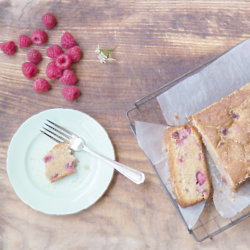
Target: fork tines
x,y
56,132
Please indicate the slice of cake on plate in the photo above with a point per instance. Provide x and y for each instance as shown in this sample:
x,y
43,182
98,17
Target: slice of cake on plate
x,y
187,166
225,130
59,162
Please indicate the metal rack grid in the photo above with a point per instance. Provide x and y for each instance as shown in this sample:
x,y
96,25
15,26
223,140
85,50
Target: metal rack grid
x,y
147,109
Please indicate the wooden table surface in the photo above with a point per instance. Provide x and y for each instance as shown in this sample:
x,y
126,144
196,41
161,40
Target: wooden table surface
x,y
157,41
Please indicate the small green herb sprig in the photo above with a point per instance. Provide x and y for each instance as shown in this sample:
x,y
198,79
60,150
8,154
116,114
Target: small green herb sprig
x,y
104,55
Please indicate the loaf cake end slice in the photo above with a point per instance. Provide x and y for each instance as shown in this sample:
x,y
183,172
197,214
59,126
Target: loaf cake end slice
x,y
187,165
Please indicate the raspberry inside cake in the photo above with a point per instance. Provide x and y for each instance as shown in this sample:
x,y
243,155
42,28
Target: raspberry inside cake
x,y
59,162
188,172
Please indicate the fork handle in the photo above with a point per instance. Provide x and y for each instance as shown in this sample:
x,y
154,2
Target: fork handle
x,y
131,173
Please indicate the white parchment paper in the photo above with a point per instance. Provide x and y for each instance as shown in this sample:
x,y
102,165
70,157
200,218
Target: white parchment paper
x,y
218,79
150,139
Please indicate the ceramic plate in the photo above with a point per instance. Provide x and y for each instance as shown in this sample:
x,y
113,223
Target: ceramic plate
x,y
73,193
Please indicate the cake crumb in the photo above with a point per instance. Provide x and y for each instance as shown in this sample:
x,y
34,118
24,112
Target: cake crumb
x,y
85,167
164,149
233,197
176,117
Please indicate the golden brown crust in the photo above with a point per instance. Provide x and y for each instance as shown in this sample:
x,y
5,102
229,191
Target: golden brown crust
x,y
225,128
183,181
61,176
58,146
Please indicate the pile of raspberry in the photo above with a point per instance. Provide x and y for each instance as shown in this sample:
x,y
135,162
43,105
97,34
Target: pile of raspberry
x,y
58,68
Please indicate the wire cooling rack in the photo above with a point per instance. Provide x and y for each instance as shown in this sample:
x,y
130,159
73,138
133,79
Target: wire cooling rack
x,y
147,109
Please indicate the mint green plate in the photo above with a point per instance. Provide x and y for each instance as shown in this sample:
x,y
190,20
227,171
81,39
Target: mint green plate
x,y
26,170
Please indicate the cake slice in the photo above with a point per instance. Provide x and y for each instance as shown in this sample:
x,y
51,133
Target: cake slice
x,y
225,130
187,166
59,162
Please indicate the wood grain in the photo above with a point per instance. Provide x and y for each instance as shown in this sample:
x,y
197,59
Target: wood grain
x,y
157,41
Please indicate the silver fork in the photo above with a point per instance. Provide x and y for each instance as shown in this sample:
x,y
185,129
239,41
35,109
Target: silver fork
x,y
76,143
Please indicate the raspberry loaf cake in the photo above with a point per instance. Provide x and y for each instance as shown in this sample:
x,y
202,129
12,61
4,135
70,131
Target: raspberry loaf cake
x,y
225,130
59,162
186,162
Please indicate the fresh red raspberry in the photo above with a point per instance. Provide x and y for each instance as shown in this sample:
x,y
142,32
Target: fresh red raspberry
x,y
41,85
54,51
29,69
69,77
70,92
39,37
63,61
53,72
24,41
49,21
67,40
8,48
34,56
200,178
74,53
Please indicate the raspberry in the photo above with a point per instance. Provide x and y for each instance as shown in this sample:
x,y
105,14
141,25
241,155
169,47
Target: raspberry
x,y
39,37
176,135
49,21
41,85
55,175
74,53
221,144
8,48
199,156
67,40
34,56
70,92
181,159
63,61
29,69
48,158
24,41
205,192
54,51
53,72
234,115
200,178
69,77
188,129
70,166
224,131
